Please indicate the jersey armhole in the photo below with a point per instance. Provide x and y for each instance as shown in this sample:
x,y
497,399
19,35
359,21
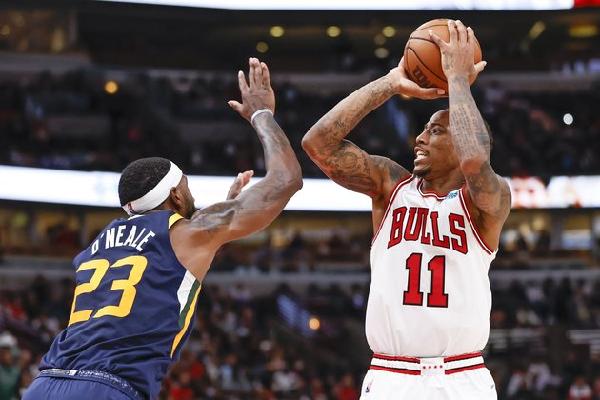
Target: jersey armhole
x,y
401,183
173,219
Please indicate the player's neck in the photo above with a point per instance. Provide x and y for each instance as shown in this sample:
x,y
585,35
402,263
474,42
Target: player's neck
x,y
444,183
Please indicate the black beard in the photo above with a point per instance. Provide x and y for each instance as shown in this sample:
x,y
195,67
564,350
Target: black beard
x,y
421,173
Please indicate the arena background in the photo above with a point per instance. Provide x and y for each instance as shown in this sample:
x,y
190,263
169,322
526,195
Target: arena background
x,y
90,86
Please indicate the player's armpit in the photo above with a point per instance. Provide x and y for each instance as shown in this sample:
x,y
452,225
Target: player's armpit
x,y
490,200
489,192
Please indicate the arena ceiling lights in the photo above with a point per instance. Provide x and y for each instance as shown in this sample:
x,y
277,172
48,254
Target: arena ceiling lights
x,y
99,189
368,4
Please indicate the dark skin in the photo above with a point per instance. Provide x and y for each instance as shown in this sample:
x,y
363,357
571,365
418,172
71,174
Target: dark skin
x,y
452,150
197,237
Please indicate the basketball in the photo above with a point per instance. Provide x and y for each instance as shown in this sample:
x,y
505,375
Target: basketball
x,y
422,57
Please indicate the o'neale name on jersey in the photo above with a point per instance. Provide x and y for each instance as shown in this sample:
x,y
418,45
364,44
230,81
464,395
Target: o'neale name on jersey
x,y
121,237
421,224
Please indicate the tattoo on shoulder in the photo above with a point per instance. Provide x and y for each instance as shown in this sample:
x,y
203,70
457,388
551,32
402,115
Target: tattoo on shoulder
x,y
392,169
212,218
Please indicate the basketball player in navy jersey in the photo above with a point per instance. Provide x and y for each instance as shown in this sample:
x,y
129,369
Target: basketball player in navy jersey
x,y
436,231
138,281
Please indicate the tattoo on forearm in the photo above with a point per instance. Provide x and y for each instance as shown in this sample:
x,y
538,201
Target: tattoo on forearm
x,y
340,159
471,141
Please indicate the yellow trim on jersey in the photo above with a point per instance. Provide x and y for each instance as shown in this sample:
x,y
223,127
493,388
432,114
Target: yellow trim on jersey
x,y
186,324
174,218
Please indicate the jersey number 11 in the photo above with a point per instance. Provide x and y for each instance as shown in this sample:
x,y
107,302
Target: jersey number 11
x,y
436,296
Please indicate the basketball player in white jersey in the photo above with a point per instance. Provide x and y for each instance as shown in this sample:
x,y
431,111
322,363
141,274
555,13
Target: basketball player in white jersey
x,y
436,231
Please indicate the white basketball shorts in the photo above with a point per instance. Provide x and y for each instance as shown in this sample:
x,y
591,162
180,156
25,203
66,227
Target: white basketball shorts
x,y
462,377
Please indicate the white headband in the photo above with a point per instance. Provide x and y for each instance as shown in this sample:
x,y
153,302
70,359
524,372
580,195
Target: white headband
x,y
157,195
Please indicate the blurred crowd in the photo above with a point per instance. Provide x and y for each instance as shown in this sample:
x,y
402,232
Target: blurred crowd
x,y
245,346
77,121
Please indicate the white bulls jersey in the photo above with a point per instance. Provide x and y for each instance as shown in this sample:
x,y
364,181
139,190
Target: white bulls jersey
x,y
430,291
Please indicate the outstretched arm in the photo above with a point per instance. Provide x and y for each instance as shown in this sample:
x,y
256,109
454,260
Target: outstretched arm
x,y
251,210
256,207
489,193
342,160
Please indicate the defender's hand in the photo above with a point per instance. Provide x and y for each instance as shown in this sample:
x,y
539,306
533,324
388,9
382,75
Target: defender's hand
x,y
458,54
257,94
403,85
238,184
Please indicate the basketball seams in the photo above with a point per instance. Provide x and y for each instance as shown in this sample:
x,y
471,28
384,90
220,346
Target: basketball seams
x,y
425,65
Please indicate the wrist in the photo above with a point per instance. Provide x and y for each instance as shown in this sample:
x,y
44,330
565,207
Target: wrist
x,y
391,83
257,113
456,77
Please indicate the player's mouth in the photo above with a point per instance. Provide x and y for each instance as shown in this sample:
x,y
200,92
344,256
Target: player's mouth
x,y
420,154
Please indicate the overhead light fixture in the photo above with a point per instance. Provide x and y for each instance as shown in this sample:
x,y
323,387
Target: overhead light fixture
x,y
536,30
262,47
568,119
333,31
388,31
277,31
379,39
314,323
382,52
583,31
111,87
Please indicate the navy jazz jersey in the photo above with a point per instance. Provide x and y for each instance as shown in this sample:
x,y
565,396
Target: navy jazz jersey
x,y
133,304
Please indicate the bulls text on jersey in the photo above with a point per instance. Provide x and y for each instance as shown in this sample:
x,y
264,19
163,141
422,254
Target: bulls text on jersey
x,y
421,224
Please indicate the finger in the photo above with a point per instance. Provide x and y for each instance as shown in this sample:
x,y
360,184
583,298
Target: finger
x,y
246,175
471,36
480,66
414,90
437,40
453,32
242,81
430,93
253,73
259,72
462,32
235,105
266,75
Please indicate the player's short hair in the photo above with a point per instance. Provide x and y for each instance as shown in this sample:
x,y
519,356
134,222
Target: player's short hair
x,y
141,176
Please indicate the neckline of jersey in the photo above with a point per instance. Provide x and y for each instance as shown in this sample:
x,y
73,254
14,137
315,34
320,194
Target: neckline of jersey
x,y
431,193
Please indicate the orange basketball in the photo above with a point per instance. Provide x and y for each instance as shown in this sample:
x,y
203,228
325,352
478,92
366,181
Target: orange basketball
x,y
422,57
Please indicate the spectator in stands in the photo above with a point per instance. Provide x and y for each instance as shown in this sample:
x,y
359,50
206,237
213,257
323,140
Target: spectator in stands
x,y
10,371
580,390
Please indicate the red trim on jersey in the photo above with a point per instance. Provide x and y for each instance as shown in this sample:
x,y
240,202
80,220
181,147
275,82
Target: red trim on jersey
x,y
399,185
460,357
396,358
455,370
431,193
397,370
463,202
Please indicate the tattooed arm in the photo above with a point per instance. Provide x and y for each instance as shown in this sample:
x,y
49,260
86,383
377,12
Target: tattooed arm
x,y
196,240
489,193
255,208
342,160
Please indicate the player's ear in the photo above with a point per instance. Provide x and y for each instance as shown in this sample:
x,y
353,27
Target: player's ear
x,y
177,198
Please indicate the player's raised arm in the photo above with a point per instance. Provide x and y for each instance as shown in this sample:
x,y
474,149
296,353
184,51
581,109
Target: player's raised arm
x,y
342,160
256,207
489,193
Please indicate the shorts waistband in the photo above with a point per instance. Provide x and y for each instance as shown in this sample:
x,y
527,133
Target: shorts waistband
x,y
102,376
427,365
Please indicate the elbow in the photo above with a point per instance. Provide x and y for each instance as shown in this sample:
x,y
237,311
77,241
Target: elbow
x,y
309,142
295,183
473,164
